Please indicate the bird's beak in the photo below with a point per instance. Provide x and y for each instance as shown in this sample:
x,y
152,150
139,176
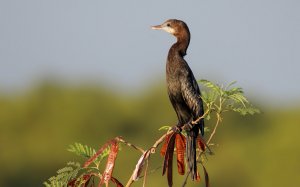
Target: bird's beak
x,y
164,28
157,27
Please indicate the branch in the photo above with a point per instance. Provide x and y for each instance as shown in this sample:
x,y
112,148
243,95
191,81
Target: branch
x,y
152,171
152,151
186,178
159,141
130,145
219,119
201,117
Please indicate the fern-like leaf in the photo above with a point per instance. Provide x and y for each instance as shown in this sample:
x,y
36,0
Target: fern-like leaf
x,y
81,150
247,110
87,152
218,89
64,175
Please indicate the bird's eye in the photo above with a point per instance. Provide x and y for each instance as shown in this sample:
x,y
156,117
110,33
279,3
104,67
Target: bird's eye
x,y
168,25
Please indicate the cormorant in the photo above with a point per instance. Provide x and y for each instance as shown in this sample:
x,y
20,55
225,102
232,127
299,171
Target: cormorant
x,y
183,89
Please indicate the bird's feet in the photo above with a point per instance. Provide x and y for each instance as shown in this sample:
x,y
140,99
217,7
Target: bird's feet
x,y
188,126
176,129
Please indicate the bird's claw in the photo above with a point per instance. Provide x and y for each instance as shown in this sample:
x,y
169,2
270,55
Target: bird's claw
x,y
176,129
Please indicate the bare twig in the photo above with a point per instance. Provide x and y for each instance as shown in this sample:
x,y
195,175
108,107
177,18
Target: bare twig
x,y
130,145
219,119
145,175
159,141
185,179
130,181
201,117
152,151
152,171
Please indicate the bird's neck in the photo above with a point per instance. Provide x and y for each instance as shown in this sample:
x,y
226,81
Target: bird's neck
x,y
176,55
183,41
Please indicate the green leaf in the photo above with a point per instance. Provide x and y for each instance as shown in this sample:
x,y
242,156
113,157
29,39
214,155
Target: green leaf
x,y
230,84
81,150
247,110
207,117
166,128
226,99
87,152
64,175
239,98
213,86
206,129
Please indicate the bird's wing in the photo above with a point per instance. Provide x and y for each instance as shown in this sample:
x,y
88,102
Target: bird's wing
x,y
191,94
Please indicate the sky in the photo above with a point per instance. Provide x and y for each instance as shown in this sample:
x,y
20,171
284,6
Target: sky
x,y
256,43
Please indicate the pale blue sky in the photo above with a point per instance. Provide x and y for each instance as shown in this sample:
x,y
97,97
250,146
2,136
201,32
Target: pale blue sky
x,y
255,42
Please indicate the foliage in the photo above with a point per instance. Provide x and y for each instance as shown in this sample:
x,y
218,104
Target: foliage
x,y
87,152
217,98
64,175
36,126
76,175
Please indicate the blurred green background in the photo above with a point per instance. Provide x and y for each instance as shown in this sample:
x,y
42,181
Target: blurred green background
x,y
38,125
87,71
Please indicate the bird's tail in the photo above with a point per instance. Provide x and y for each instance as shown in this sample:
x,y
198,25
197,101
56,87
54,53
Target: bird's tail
x,y
191,141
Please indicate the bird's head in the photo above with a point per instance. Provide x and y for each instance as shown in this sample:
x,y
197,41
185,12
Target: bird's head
x,y
175,27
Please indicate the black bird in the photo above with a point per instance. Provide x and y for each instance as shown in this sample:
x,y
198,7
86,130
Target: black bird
x,y
183,89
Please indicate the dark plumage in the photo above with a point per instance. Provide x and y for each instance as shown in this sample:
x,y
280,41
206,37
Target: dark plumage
x,y
183,89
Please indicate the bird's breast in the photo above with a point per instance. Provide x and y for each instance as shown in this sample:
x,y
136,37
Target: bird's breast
x,y
173,85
